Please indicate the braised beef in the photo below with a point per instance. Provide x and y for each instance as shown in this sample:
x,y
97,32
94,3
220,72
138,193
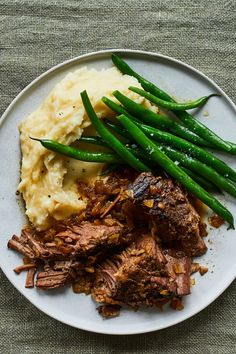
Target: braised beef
x,y
29,283
179,269
83,283
142,274
24,267
172,215
132,245
92,238
109,311
53,279
77,242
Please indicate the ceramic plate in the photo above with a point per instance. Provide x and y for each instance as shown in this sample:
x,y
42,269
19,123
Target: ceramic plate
x,y
181,81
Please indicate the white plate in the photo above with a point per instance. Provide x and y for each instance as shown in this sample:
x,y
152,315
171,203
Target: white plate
x,y
181,81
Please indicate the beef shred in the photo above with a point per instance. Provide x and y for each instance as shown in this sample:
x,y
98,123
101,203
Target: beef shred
x,y
131,246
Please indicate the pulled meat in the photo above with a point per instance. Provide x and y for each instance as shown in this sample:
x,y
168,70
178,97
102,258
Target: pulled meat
x,y
53,279
68,251
132,245
142,274
81,240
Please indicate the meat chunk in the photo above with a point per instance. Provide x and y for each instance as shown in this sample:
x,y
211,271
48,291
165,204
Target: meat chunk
x,y
193,245
172,215
167,203
83,283
57,274
179,268
142,274
24,267
109,311
92,238
19,244
52,279
29,283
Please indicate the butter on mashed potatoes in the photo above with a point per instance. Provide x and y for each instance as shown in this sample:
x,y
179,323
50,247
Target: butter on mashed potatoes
x,y
48,180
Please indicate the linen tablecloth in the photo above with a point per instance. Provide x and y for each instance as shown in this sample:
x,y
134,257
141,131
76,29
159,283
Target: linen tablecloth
x,y
36,35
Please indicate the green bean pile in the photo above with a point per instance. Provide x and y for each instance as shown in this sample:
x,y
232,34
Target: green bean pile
x,y
144,140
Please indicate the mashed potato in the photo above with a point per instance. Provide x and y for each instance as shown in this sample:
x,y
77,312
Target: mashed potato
x,y
48,180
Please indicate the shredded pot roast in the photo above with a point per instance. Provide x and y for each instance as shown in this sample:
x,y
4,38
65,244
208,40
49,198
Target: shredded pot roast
x,y
133,245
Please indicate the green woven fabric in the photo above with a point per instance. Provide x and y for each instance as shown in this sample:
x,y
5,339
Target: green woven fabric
x,y
36,35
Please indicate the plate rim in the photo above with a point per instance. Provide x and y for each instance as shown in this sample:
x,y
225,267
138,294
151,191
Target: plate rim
x,y
71,61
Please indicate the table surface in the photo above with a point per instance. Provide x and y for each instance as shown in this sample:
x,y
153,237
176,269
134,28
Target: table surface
x,y
36,35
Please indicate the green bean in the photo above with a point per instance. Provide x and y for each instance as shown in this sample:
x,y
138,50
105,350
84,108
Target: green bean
x,y
115,107
117,129
193,124
204,155
185,133
182,145
172,105
82,155
207,134
103,157
210,187
95,140
175,171
113,142
191,149
200,168
158,120
232,148
125,68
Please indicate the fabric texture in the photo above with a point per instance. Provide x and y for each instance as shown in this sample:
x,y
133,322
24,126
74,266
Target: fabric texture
x,y
36,35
